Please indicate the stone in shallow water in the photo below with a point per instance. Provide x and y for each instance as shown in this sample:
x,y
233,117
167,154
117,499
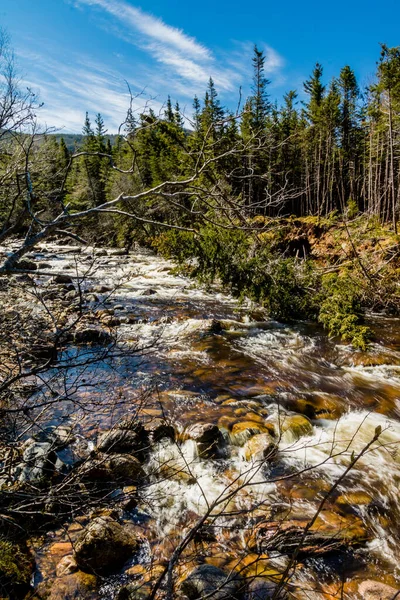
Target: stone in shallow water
x,y
105,545
207,581
122,439
374,590
259,447
75,585
208,437
294,427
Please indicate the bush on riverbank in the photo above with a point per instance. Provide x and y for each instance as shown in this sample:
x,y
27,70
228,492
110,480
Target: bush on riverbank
x,y
297,268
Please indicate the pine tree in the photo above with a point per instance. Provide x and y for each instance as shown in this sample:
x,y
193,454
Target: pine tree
x,y
169,113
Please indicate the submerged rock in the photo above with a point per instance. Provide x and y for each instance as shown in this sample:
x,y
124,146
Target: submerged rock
x,y
105,545
66,566
212,582
73,586
375,590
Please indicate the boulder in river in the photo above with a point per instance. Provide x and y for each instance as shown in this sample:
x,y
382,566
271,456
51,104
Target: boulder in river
x,y
207,581
105,545
122,468
329,533
209,439
73,586
92,336
131,438
375,590
294,426
39,462
24,264
64,279
244,430
259,447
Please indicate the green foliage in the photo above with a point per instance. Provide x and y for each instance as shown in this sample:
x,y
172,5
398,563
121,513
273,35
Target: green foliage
x,y
15,566
230,257
351,209
341,312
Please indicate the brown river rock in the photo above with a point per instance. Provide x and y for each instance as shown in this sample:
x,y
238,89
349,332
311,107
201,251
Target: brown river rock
x,y
105,545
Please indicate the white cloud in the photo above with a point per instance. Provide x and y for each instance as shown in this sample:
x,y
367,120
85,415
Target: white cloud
x,y
182,56
151,27
68,91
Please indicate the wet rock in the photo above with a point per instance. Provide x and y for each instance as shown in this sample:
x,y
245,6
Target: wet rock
x,y
39,462
212,582
262,589
318,406
216,327
62,279
100,252
329,533
374,590
66,566
26,265
134,591
93,336
59,437
111,321
119,467
73,586
149,292
243,431
131,438
294,427
71,295
159,429
259,447
105,545
44,266
209,439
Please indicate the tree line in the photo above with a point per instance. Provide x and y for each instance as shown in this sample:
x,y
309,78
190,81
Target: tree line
x,y
336,151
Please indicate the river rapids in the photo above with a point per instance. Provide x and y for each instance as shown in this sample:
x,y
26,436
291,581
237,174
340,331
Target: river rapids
x,y
193,355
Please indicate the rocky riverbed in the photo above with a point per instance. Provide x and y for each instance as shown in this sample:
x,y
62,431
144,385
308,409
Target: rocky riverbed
x,y
183,444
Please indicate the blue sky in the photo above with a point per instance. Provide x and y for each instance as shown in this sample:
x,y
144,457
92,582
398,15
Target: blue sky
x,y
80,54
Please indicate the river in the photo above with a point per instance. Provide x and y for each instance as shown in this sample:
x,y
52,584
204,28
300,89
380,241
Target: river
x,y
194,355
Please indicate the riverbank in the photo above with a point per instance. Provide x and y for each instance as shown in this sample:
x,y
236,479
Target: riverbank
x,y
328,270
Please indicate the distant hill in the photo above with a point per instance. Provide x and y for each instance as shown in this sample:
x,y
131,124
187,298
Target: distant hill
x,y
75,140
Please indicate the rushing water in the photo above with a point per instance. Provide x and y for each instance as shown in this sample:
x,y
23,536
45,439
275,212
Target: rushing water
x,y
173,354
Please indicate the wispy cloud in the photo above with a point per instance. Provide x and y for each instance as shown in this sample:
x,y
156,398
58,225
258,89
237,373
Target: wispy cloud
x,y
181,55
67,91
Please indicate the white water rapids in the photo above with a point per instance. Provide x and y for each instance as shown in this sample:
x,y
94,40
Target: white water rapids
x,y
262,366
